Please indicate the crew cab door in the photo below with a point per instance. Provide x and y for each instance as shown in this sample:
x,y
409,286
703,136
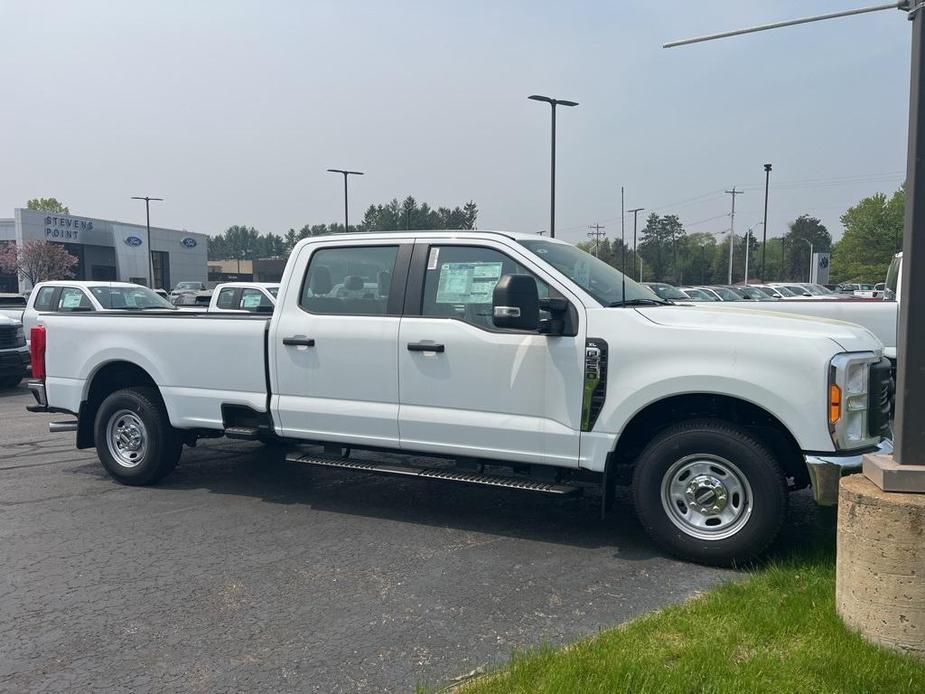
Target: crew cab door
x,y
333,343
483,391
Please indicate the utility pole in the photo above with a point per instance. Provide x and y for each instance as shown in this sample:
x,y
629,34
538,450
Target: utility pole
x,y
636,212
764,238
148,200
552,185
596,234
732,227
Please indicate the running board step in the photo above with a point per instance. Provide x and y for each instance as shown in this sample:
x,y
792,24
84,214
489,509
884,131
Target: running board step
x,y
435,474
246,433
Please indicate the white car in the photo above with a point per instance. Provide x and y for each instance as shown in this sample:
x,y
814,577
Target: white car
x,y
494,349
76,296
254,297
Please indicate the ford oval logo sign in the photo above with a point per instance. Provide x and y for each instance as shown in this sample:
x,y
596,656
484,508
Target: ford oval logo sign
x,y
133,241
189,242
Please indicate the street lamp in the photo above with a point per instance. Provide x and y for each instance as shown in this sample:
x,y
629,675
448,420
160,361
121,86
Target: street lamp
x,y
810,278
764,237
148,200
552,186
346,173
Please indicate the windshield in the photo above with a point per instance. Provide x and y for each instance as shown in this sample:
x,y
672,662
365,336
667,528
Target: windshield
x,y
753,293
698,295
727,294
600,280
189,285
798,291
813,289
667,291
129,298
783,291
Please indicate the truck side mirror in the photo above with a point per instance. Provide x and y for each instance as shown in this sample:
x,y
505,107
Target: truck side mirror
x,y
516,303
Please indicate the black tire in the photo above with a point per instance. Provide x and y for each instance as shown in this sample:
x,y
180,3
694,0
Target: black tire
x,y
124,410
722,462
9,382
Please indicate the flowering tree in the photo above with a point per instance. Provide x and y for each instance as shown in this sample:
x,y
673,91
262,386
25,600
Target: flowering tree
x,y
37,261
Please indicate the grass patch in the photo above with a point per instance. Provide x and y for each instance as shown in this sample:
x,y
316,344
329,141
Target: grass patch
x,y
774,631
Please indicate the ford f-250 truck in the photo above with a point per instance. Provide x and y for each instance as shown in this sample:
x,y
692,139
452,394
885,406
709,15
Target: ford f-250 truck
x,y
523,361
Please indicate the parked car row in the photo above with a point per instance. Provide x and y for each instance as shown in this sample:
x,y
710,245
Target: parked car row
x,y
748,292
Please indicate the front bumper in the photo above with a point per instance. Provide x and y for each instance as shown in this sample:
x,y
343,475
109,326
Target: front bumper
x,y
14,362
825,471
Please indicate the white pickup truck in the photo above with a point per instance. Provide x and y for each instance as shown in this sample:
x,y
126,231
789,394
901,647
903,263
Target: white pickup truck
x,y
523,362
880,315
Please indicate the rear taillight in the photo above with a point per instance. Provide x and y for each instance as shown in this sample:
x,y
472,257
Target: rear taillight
x,y
37,352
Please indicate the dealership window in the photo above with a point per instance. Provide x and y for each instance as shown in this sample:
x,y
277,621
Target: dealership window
x,y
160,262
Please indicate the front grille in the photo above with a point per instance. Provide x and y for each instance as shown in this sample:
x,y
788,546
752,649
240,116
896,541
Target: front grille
x,y
880,404
8,337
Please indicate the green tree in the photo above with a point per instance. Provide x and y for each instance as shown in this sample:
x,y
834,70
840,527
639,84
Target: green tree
x,y
661,240
797,259
873,234
47,205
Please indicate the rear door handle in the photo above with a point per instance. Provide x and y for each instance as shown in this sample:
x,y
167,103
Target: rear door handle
x,y
298,342
425,347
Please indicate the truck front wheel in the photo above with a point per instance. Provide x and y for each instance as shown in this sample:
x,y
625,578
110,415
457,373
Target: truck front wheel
x,y
710,492
134,439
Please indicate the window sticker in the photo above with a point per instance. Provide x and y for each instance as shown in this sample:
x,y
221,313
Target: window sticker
x,y
250,300
71,300
468,283
432,259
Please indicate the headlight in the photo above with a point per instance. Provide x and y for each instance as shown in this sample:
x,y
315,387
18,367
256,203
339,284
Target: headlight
x,y
20,337
849,400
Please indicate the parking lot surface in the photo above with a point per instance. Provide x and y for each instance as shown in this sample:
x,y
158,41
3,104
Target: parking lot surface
x,y
241,572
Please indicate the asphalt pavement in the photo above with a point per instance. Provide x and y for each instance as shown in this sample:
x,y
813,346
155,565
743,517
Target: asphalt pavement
x,y
241,572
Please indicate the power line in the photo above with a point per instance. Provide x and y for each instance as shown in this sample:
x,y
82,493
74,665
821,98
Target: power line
x,y
596,234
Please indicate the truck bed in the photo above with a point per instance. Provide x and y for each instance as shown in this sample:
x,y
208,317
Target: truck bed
x,y
199,361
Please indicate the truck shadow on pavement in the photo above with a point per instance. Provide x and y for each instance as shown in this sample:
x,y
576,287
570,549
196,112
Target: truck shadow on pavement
x,y
252,470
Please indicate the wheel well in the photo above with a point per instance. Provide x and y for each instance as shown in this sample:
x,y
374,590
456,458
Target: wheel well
x,y
646,424
108,379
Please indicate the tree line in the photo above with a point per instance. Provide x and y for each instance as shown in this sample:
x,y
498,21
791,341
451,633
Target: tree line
x,y
666,252
241,241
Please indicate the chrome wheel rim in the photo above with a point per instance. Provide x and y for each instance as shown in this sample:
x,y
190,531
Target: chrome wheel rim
x,y
127,438
706,497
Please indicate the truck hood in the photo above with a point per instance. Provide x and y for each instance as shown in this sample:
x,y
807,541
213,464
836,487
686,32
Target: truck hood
x,y
849,336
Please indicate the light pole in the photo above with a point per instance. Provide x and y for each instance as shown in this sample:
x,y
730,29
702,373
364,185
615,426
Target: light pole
x,y
148,200
346,173
810,278
764,237
552,186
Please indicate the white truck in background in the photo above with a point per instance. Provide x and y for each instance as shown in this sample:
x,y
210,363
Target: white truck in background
x,y
879,316
253,297
521,362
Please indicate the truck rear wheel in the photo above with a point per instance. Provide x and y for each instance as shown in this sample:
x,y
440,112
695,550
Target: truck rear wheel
x,y
134,439
709,492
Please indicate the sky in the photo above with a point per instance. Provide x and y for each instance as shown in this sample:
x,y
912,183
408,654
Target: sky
x,y
232,111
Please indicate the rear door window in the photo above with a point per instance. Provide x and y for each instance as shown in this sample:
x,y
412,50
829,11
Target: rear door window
x,y
73,299
44,298
351,280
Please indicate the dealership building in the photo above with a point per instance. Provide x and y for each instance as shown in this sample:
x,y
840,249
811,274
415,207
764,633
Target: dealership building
x,y
110,251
